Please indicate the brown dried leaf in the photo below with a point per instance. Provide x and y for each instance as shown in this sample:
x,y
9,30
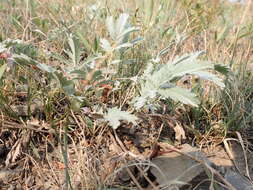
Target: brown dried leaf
x,y
17,148
179,133
14,153
108,168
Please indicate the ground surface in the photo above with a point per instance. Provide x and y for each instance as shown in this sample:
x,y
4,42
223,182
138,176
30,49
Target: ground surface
x,y
87,100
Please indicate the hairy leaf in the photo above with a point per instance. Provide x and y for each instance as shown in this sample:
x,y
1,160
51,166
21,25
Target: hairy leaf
x,y
75,53
105,44
119,30
160,80
180,95
121,24
210,77
114,116
2,70
111,27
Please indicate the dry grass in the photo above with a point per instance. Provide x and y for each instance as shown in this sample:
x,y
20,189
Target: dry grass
x,y
55,145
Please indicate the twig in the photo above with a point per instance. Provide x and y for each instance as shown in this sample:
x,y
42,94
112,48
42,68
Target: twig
x,y
150,182
133,178
10,125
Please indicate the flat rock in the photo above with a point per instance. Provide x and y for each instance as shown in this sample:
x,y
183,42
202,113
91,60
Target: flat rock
x,y
238,181
175,170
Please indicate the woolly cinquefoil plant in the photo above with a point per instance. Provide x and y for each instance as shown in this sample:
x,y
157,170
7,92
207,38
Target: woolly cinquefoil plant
x,y
159,81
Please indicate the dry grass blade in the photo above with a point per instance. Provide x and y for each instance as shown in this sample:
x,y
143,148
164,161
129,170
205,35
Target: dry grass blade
x,y
227,148
134,178
30,126
67,63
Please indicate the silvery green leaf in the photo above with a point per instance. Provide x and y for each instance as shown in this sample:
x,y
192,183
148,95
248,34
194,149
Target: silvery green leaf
x,y
139,102
125,32
148,70
160,79
94,7
2,48
116,85
156,59
78,73
121,24
180,95
150,93
60,58
75,54
72,47
167,85
25,60
114,115
210,77
116,61
111,27
68,86
186,67
45,67
105,44
2,70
